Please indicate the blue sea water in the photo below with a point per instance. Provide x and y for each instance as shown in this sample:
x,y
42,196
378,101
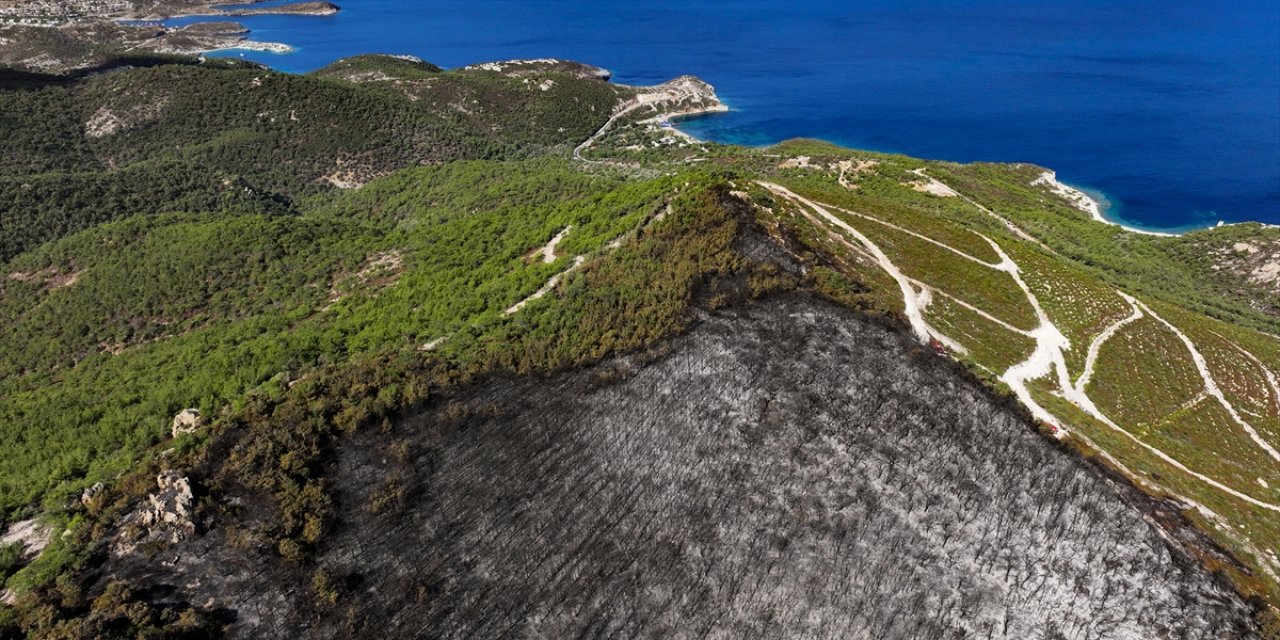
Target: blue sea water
x,y
1171,108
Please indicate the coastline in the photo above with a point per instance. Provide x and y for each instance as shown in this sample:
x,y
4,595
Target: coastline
x,y
1076,196
201,43
255,45
241,39
671,121
1090,205
314,8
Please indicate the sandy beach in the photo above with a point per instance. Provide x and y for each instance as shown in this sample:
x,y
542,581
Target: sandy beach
x,y
254,45
1084,202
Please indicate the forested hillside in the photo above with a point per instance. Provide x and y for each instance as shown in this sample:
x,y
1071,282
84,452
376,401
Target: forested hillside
x,y
498,327
185,137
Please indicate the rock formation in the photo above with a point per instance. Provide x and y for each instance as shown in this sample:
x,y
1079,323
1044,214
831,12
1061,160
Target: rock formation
x,y
90,493
166,517
187,421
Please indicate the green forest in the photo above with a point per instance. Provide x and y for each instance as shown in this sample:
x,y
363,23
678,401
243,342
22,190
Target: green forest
x,y
189,138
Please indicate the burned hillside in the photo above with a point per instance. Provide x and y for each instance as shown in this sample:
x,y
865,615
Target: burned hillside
x,y
785,470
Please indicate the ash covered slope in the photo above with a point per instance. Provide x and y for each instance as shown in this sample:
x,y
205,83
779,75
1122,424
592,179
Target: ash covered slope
x,y
787,470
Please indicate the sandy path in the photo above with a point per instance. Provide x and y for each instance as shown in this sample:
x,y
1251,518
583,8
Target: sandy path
x,y
1096,346
1212,386
546,288
911,300
1092,410
933,186
1047,359
549,251
926,289
586,144
1000,266
847,166
431,346
1013,228
549,256
1049,340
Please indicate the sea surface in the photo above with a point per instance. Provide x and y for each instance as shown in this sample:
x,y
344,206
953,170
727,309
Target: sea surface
x,y
1171,108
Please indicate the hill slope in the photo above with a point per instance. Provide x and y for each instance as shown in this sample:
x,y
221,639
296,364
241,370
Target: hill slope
x,y
785,469
196,137
266,250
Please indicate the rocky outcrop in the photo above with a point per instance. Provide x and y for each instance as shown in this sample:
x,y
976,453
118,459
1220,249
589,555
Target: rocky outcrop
x,y
90,493
123,112
171,505
680,97
1244,258
166,517
187,421
1257,262
30,535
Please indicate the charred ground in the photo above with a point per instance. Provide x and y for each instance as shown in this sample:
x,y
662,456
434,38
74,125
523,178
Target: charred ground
x,y
787,468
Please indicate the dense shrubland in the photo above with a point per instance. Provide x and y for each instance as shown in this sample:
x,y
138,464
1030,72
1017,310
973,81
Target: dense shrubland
x,y
122,325
184,137
278,441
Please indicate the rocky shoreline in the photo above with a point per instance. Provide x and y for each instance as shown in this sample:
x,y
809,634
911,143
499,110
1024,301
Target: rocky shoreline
x,y
1086,203
35,37
241,40
291,9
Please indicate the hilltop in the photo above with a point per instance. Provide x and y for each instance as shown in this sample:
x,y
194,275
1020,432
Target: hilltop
x,y
467,347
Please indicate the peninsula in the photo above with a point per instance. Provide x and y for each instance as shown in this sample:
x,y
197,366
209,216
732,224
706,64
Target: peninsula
x,y
61,37
287,9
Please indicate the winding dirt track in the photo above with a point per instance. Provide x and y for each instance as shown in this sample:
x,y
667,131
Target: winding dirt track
x,y
1211,386
910,298
1096,346
586,144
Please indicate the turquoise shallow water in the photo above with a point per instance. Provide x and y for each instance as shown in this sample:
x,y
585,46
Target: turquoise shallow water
x,y
1172,109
